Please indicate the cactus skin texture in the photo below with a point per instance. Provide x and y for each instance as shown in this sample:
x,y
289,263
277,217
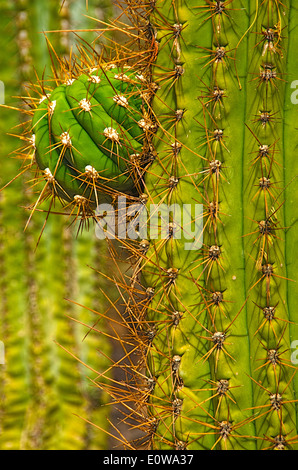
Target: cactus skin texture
x,y
212,322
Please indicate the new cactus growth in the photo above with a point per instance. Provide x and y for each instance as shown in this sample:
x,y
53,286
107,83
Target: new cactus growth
x,y
210,302
87,131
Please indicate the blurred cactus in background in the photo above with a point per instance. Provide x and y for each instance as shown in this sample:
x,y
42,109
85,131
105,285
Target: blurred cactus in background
x,y
43,387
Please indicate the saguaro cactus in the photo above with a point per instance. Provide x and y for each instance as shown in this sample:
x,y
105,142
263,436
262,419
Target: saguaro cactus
x,y
210,301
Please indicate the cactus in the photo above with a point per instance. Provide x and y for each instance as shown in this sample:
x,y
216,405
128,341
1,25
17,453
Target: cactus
x,y
42,385
219,369
222,372
209,303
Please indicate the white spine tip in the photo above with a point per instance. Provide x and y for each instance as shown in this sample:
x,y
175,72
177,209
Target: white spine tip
x,y
146,124
51,107
78,199
48,175
94,79
32,141
90,172
69,81
122,76
140,77
44,97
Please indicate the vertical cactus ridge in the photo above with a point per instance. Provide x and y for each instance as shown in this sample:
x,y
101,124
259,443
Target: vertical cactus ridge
x,y
168,272
267,279
291,171
224,285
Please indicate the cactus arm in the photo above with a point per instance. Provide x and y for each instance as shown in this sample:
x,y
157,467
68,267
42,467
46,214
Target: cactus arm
x,y
83,135
202,425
